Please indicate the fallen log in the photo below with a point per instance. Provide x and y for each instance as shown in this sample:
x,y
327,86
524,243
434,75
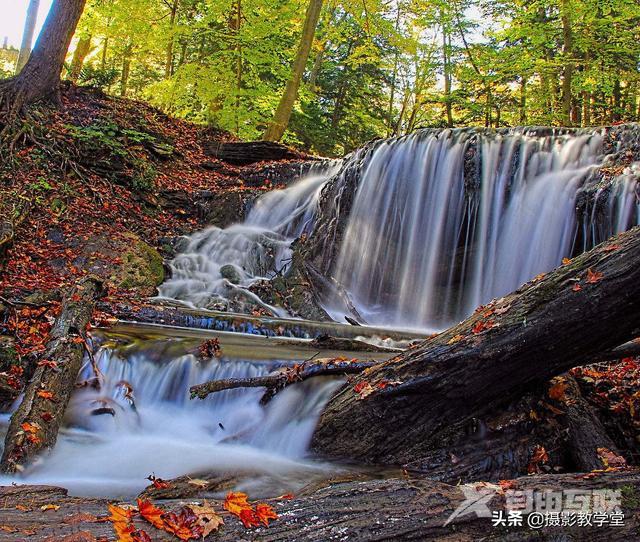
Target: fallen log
x,y
34,425
280,379
553,323
351,508
249,152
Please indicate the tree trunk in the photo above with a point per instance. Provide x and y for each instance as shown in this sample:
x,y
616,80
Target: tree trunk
x,y
446,70
168,67
523,101
82,50
280,121
567,52
40,77
34,426
126,70
512,345
27,35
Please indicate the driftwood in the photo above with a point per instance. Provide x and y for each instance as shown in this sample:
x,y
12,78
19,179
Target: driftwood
x,y
388,509
278,380
453,381
244,153
34,426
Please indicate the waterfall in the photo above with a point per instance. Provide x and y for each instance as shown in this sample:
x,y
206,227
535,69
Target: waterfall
x,y
141,421
441,224
217,264
417,231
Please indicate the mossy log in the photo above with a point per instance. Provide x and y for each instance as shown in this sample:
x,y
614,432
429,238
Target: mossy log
x,y
475,369
34,425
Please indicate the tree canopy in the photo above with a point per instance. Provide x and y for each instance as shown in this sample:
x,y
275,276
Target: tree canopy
x,y
375,68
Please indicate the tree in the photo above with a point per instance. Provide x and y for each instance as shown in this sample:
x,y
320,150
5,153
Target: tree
x,y
27,35
278,125
40,77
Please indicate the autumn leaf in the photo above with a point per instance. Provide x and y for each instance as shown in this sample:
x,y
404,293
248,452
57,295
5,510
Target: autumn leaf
x,y
455,339
566,261
556,392
158,483
236,503
184,524
46,394
538,457
576,288
611,248
30,427
119,514
594,276
265,513
611,460
208,520
46,507
249,518
151,513
482,326
46,416
285,497
363,389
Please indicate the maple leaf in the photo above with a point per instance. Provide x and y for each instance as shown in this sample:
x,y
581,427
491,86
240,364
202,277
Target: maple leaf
x,y
184,524
30,427
48,363
158,483
566,261
556,392
611,248
482,326
265,513
119,514
363,389
285,497
208,519
455,339
46,416
611,460
594,276
538,457
151,513
46,507
46,394
576,288
249,518
235,503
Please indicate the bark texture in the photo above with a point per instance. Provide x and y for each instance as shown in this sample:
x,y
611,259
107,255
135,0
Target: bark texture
x,y
366,510
40,77
511,346
278,125
244,153
27,35
34,426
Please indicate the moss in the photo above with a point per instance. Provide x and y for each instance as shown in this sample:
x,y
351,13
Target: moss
x,y
142,266
8,355
630,496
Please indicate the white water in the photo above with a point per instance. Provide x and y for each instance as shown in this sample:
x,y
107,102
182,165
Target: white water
x,y
421,250
170,435
256,248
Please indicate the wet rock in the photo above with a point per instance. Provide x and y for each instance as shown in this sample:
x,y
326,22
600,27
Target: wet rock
x,y
142,266
231,273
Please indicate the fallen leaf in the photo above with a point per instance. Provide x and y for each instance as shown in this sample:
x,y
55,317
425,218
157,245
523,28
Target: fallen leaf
x,y
23,508
285,497
8,529
236,503
208,519
151,513
80,517
363,389
46,507
610,459
611,248
482,326
566,261
249,518
455,339
158,483
198,482
46,394
538,457
184,525
576,288
556,392
30,427
594,276
265,513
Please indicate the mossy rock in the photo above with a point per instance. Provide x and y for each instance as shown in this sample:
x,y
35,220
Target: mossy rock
x,y
8,354
142,266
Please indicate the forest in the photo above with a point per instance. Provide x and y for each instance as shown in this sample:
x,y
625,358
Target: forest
x,y
308,270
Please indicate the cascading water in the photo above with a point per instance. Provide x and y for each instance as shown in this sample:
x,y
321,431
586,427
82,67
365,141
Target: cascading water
x,y
424,228
141,421
218,264
423,246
